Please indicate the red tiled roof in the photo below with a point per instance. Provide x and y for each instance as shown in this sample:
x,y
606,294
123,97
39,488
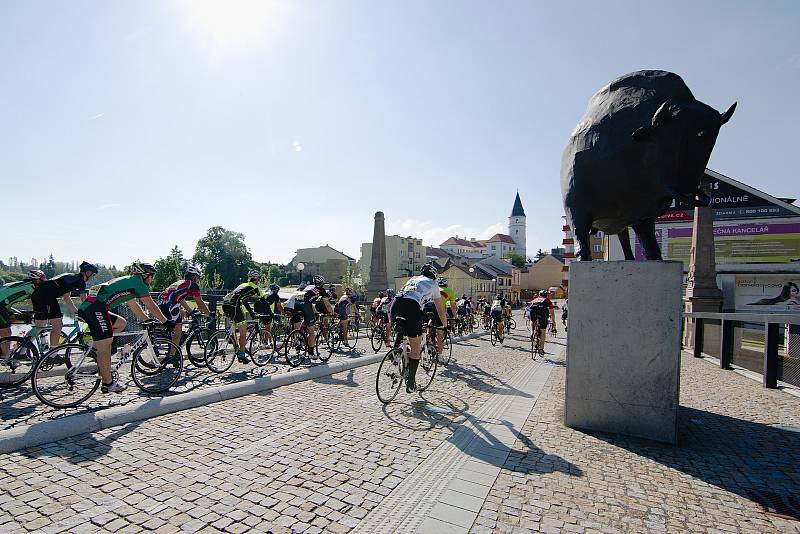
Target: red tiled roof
x,y
500,237
462,242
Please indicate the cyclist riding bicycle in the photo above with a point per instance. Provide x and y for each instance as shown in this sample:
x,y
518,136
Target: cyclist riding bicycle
x,y
541,310
269,305
45,298
448,297
313,297
496,311
344,306
14,293
103,324
173,298
408,304
375,309
234,304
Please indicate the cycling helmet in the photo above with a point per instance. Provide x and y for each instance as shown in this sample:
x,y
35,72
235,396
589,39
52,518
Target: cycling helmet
x,y
143,269
464,296
442,281
191,270
318,280
428,270
390,293
350,293
302,286
86,266
274,287
37,276
381,294
253,274
543,293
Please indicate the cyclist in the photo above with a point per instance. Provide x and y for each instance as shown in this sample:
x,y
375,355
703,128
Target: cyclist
x,y
448,296
14,293
173,298
497,308
462,308
408,304
45,298
506,311
314,296
232,308
103,324
541,310
269,305
375,308
342,310
564,314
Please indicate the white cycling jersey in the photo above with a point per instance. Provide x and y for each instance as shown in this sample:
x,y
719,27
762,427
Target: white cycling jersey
x,y
420,288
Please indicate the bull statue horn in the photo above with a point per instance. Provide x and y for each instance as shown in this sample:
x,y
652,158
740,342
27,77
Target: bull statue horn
x,y
662,113
725,117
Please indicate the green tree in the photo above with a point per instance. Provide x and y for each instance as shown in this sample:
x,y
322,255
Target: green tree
x,y
168,270
351,278
222,252
517,260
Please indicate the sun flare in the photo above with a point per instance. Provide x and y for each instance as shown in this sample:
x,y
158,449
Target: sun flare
x,y
230,23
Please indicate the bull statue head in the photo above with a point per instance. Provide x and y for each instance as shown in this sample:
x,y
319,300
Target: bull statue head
x,y
685,132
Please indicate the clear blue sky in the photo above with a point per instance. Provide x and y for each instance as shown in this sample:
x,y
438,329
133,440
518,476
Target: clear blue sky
x,y
131,126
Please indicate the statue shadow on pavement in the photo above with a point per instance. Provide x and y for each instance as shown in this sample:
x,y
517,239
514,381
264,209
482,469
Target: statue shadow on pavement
x,y
83,447
743,457
331,379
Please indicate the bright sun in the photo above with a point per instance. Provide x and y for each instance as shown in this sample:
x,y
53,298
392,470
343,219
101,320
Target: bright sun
x,y
230,23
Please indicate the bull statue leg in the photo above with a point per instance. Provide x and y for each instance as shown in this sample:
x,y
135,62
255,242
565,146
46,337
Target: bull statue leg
x,y
582,226
625,242
646,232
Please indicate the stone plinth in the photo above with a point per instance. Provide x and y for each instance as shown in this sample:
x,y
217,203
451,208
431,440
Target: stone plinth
x,y
623,348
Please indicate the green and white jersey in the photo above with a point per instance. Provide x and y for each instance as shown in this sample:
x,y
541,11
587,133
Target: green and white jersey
x,y
116,291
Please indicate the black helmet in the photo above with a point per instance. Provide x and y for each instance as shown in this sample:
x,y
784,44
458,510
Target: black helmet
x,y
86,266
428,270
319,280
143,269
274,287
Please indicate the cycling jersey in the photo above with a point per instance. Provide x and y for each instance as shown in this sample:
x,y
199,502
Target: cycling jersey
x,y
179,291
421,289
62,284
343,307
14,292
242,292
314,293
448,295
271,300
116,291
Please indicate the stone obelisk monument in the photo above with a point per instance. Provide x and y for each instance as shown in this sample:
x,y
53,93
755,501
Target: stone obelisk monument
x,y
377,269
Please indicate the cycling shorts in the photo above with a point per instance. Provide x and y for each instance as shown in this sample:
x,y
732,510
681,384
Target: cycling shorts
x,y
45,306
408,309
303,312
430,313
172,312
462,312
99,320
234,313
341,311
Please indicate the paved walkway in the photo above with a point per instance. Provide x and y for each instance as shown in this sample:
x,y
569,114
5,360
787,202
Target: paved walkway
x,y
484,450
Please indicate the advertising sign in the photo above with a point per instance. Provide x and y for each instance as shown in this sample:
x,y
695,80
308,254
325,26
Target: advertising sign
x,y
764,293
739,243
729,202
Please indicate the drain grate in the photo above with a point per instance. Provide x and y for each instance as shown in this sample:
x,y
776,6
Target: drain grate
x,y
785,506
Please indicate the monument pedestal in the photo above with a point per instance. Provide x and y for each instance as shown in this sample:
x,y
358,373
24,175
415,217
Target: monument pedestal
x,y
624,348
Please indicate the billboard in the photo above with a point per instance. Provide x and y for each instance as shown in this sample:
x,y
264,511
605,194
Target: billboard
x,y
736,243
728,202
767,293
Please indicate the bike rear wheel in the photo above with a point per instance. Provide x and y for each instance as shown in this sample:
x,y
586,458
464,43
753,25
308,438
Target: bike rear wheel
x,y
512,324
296,348
352,334
261,346
376,337
60,383
427,367
17,365
327,341
220,351
156,368
447,349
493,335
390,376
196,346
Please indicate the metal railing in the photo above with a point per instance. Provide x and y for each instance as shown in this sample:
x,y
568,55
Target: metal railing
x,y
751,341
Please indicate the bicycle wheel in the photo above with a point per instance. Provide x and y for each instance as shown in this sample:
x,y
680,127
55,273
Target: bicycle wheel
x,y
196,346
261,347
493,335
326,343
17,365
158,367
296,348
376,337
447,349
427,364
390,376
220,351
63,377
352,334
512,324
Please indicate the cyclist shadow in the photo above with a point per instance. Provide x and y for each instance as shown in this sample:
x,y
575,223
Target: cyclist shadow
x,y
81,448
479,379
428,411
349,381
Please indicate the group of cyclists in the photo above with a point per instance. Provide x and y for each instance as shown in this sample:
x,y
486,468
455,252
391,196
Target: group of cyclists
x,y
425,298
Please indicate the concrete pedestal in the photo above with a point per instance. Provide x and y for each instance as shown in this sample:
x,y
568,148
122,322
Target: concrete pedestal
x,y
623,348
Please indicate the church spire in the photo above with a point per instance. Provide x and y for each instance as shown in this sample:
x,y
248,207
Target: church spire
x,y
517,210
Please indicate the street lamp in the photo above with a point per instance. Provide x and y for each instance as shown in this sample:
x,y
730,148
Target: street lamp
x,y
472,282
300,267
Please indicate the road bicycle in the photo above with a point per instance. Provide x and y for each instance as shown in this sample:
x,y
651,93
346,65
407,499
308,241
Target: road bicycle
x,y
391,371
21,354
195,337
295,350
535,338
66,375
221,348
447,342
494,333
377,334
510,323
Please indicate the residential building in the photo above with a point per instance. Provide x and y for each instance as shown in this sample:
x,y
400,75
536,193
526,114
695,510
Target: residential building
x,y
460,246
543,274
506,275
404,255
325,260
477,283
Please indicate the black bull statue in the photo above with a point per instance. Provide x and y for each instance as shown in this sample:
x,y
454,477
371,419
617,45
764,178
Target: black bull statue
x,y
644,141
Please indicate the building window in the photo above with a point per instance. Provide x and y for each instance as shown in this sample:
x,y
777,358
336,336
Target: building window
x,y
599,233
598,248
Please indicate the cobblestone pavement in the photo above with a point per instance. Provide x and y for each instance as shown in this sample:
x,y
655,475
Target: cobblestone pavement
x,y
321,455
730,444
313,456
20,406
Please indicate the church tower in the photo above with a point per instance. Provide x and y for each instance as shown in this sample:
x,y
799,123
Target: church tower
x,y
516,227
